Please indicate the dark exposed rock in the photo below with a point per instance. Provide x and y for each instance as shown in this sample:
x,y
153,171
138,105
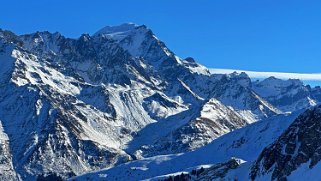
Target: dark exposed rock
x,y
299,144
215,172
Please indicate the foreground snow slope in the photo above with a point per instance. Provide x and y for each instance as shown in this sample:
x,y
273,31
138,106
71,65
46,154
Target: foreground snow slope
x,y
245,143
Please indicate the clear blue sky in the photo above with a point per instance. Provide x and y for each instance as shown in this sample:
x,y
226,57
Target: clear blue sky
x,y
261,35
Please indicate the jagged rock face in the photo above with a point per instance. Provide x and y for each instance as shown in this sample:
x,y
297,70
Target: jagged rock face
x,y
235,90
216,172
287,95
298,145
219,171
48,128
214,120
316,92
6,166
74,105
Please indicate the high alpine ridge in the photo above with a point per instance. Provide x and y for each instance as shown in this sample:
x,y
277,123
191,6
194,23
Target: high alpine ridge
x,y
287,95
71,106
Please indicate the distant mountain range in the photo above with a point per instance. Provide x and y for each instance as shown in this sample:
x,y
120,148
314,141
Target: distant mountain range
x,y
280,75
121,101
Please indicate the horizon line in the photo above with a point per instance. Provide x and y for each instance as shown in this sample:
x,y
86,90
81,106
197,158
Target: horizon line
x,y
280,75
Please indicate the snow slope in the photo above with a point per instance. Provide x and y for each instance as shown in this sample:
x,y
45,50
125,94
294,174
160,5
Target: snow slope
x,y
245,143
213,121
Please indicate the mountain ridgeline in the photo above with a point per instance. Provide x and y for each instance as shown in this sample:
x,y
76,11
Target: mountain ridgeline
x,y
72,106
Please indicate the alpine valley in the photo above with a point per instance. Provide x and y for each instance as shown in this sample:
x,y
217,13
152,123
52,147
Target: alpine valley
x,y
120,105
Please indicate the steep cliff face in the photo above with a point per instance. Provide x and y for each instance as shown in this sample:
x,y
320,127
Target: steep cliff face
x,y
49,130
6,166
298,146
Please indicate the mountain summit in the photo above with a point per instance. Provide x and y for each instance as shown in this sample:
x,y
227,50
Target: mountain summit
x,y
120,29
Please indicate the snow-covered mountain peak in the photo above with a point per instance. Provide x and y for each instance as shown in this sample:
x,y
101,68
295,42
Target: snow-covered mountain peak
x,y
190,59
85,37
122,31
236,75
273,81
139,41
241,78
287,95
117,29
